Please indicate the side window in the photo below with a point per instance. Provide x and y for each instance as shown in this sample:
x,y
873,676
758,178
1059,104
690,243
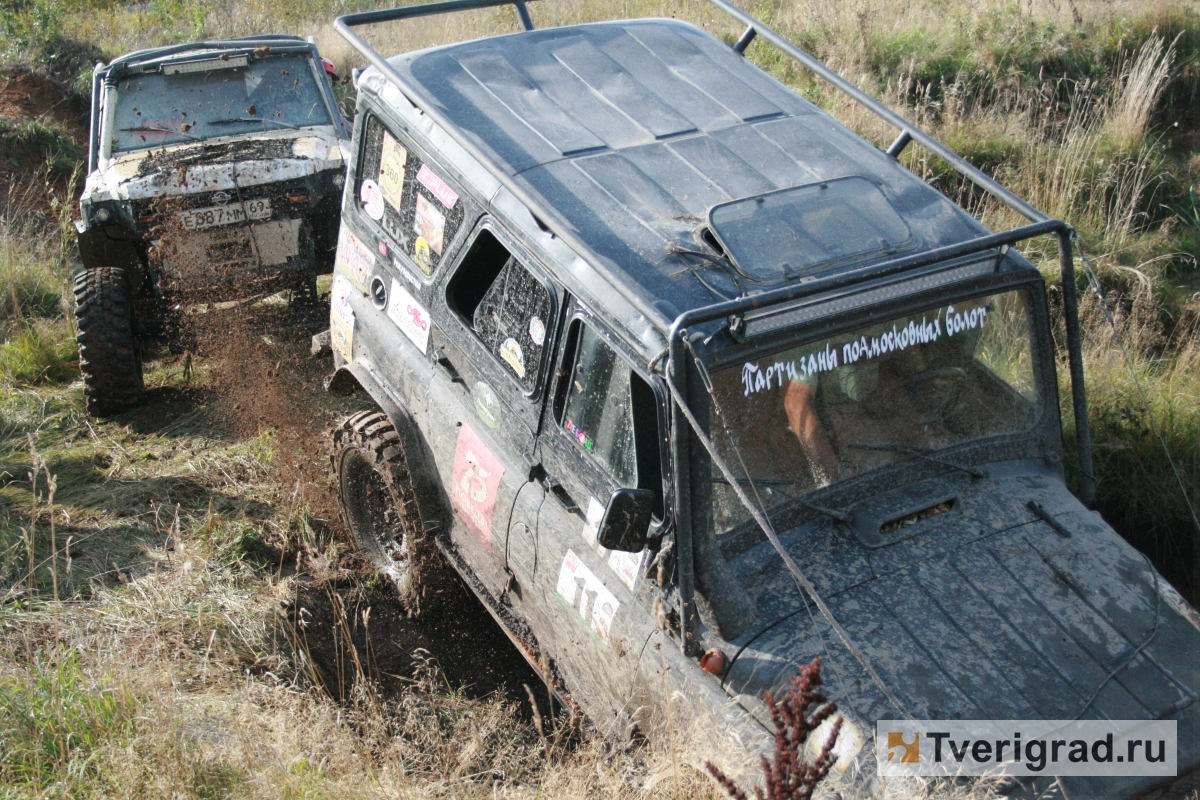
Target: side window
x,y
612,413
505,305
406,197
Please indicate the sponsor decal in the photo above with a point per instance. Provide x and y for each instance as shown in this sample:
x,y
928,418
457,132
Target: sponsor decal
x,y
341,318
510,351
537,331
421,254
409,315
354,259
474,484
1026,747
372,199
579,435
430,224
582,592
591,526
487,406
433,183
948,321
392,159
382,247
627,565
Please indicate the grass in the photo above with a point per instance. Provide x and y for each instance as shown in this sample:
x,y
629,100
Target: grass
x,y
208,641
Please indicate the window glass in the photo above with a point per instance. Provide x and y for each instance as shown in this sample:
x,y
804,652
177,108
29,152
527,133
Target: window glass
x,y
408,198
506,306
267,94
599,408
809,415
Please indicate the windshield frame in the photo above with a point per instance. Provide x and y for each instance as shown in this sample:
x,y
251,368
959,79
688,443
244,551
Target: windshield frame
x,y
111,79
1042,436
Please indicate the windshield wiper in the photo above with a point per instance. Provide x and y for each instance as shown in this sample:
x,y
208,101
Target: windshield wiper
x,y
832,513
977,474
158,130
232,120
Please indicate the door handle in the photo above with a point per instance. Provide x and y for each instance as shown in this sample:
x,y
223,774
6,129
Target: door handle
x,y
561,495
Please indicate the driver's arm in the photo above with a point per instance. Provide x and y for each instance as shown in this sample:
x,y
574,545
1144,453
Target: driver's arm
x,y
799,404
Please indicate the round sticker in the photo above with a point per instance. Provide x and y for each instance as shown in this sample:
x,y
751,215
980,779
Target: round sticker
x,y
537,331
372,199
486,404
421,253
510,351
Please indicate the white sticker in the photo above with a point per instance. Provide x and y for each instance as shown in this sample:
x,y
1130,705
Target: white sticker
x,y
626,565
584,594
510,351
372,199
595,515
409,315
537,331
341,317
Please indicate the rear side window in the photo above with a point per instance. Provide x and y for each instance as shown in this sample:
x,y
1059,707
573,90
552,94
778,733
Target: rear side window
x,y
409,199
505,305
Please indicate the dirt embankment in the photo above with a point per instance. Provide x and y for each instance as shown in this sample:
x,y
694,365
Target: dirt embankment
x,y
43,137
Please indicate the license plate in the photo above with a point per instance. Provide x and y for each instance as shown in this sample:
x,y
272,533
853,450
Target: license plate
x,y
198,218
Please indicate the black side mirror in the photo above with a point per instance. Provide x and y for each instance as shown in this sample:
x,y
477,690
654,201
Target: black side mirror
x,y
626,521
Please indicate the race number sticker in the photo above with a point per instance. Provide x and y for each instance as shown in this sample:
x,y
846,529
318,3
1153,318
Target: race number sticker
x,y
582,592
341,318
354,259
436,185
409,315
474,484
392,159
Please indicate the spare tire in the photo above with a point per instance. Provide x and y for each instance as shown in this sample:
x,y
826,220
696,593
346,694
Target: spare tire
x,y
108,353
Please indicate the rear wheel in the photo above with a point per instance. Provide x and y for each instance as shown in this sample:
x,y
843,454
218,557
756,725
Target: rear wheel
x,y
379,504
108,354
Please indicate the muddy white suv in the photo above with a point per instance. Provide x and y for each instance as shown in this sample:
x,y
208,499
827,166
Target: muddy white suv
x,y
693,384
214,172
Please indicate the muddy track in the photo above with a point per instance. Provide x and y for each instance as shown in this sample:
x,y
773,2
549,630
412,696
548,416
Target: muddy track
x,y
264,379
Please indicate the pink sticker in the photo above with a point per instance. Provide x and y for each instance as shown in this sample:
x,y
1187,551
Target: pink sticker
x,y
436,185
474,484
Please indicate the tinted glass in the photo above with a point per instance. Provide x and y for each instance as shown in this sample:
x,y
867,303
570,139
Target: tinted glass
x,y
409,199
804,417
599,408
793,232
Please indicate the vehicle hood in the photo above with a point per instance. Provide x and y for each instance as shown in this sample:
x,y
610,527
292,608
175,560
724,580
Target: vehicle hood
x,y
217,164
987,612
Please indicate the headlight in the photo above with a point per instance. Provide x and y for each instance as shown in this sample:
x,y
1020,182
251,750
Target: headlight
x,y
849,742
101,215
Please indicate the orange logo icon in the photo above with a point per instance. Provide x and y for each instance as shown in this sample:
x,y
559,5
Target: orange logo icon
x,y
912,751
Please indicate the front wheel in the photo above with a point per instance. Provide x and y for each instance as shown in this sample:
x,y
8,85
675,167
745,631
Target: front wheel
x,y
108,353
378,501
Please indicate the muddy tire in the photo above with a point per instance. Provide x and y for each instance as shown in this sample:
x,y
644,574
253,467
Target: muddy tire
x,y
108,354
379,505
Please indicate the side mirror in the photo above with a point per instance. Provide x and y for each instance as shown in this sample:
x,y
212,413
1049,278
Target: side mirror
x,y
626,521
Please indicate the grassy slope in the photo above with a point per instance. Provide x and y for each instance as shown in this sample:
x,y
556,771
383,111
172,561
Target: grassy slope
x,y
190,653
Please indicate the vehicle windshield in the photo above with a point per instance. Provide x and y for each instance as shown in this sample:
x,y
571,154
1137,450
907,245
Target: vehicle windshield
x,y
804,417
273,93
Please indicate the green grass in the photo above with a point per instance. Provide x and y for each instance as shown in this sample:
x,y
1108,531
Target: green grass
x,y
40,352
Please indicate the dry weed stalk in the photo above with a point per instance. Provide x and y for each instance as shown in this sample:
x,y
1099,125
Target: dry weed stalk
x,y
789,776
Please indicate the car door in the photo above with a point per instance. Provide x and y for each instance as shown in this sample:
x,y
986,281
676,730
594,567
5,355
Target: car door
x,y
494,324
602,432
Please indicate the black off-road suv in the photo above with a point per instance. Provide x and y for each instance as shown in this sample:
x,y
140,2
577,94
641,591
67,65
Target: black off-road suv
x,y
669,363
214,172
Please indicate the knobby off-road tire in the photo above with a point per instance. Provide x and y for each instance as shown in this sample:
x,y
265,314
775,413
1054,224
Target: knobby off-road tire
x,y
379,505
108,353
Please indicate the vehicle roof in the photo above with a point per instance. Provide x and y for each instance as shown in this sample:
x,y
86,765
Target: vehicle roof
x,y
630,131
192,48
